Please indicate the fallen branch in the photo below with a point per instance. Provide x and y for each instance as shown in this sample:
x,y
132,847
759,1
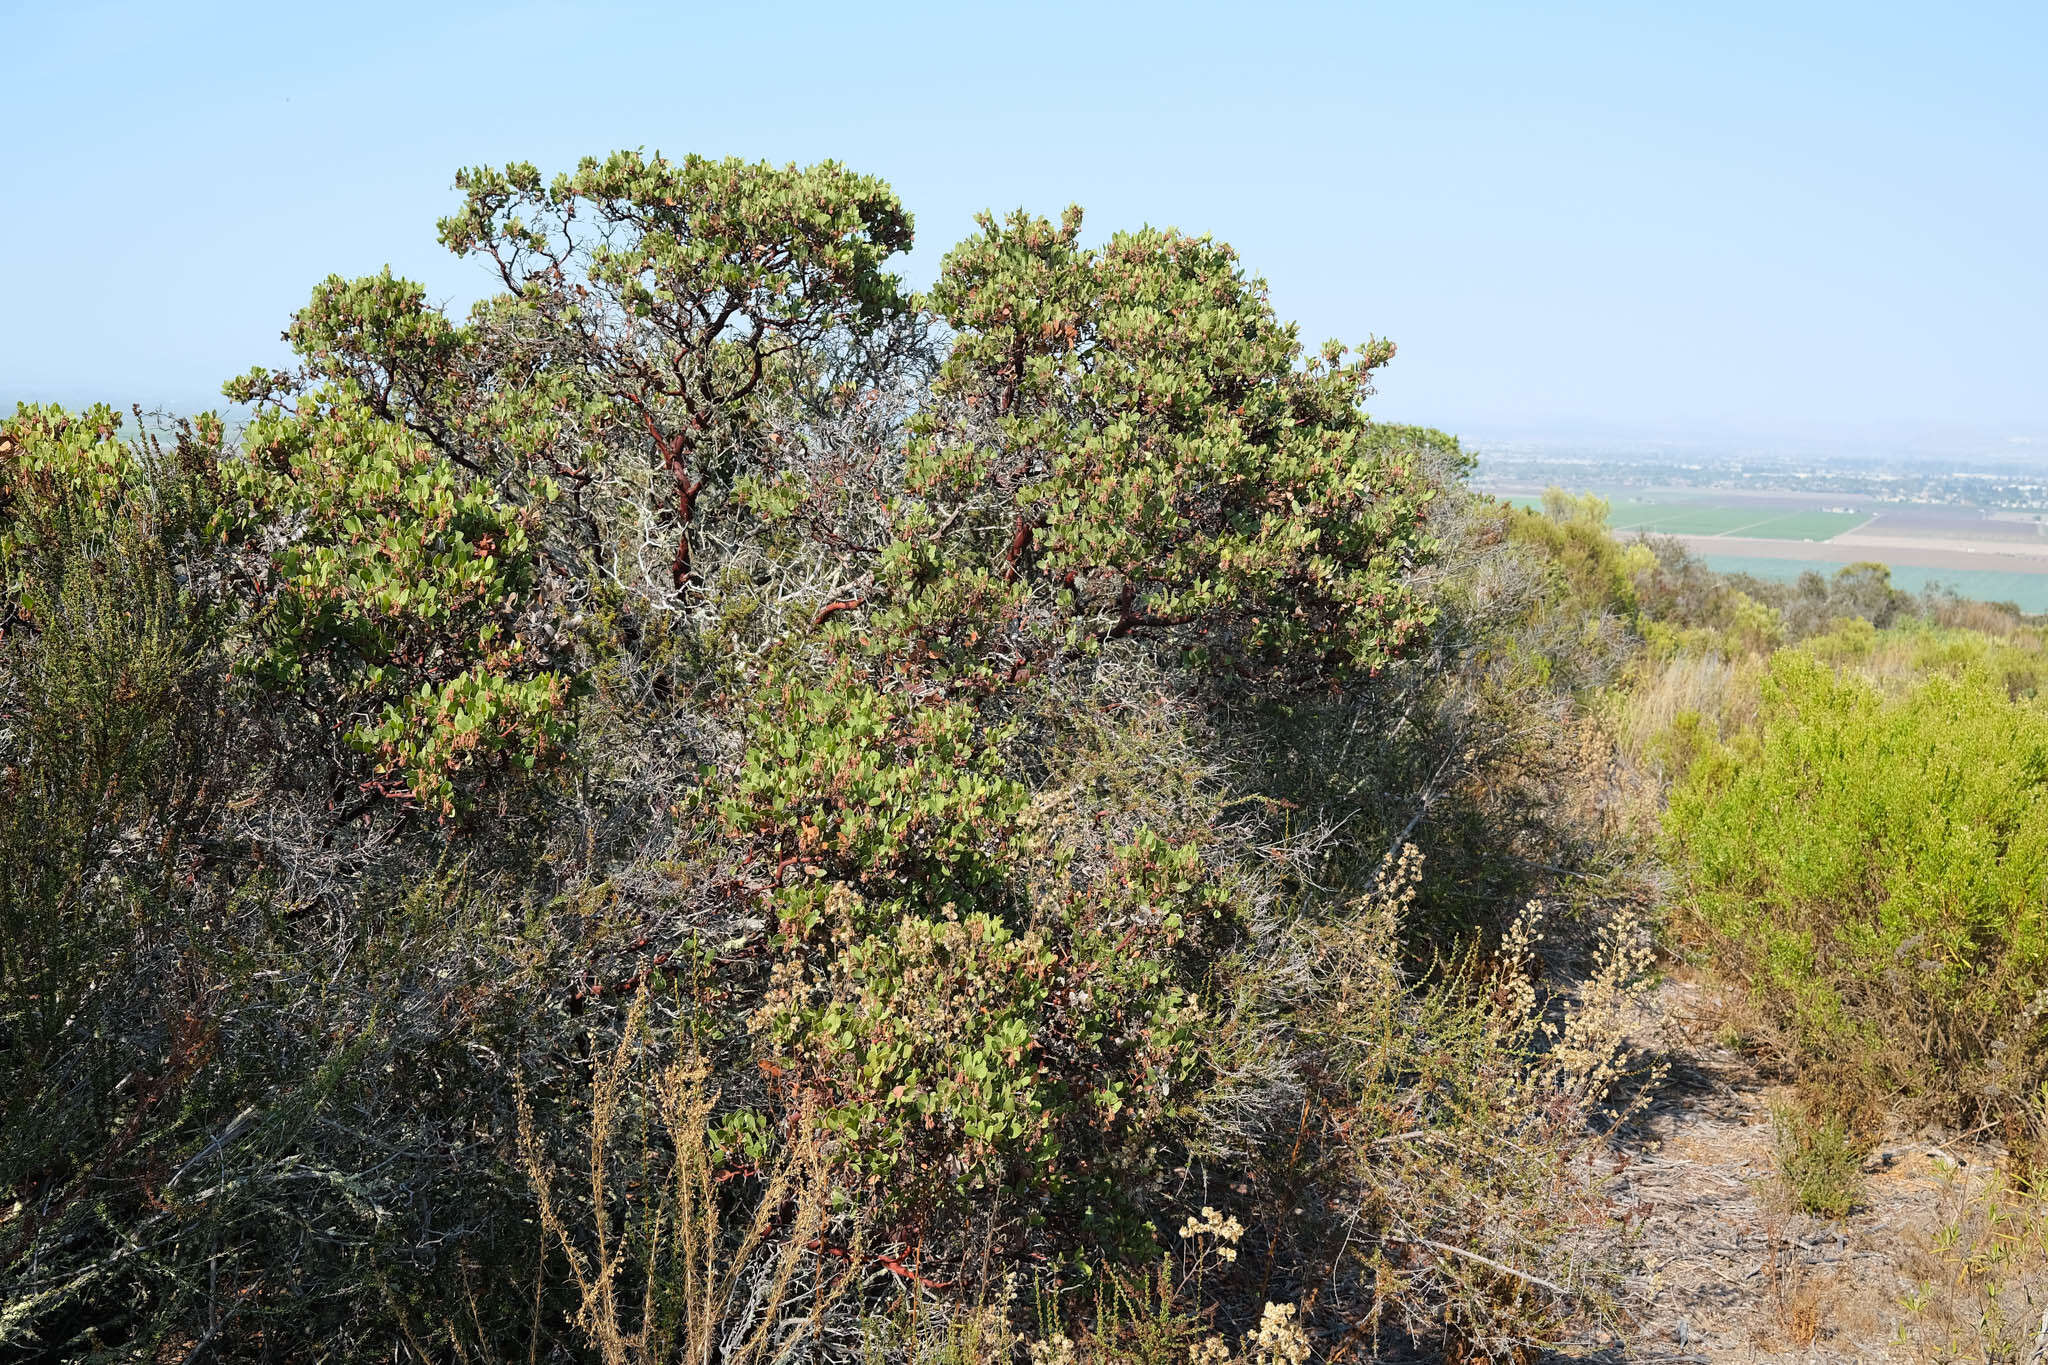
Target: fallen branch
x,y
1492,1264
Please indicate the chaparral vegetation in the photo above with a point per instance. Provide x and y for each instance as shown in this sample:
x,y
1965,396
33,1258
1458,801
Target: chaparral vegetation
x,y
716,808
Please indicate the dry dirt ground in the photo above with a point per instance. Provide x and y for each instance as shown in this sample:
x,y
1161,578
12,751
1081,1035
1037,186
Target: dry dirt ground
x,y
1938,1262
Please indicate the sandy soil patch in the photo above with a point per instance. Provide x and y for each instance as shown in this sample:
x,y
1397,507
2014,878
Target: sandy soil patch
x,y
1727,1273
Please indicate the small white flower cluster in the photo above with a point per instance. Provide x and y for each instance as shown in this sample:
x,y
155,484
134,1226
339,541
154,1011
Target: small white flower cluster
x,y
1058,1349
1279,1340
1592,1051
1226,1231
1517,998
1585,1053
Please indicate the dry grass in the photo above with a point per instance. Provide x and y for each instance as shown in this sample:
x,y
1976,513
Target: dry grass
x,y
1715,696
1800,1303
1476,1225
662,1272
1980,1291
1959,613
1161,1317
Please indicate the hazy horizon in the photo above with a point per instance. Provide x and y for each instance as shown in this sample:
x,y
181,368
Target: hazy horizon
x,y
1993,445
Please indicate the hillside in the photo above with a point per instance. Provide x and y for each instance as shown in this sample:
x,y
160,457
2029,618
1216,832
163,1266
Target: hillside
x,y
716,808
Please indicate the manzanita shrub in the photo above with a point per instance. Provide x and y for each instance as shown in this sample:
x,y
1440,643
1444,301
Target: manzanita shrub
x,y
974,1018
766,583
1178,467
674,292
880,526
1123,452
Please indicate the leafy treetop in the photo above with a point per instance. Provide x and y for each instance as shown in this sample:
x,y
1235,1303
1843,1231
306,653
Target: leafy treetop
x,y
1167,466
678,286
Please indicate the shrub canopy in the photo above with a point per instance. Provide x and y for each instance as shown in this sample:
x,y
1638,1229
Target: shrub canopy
x,y
1879,865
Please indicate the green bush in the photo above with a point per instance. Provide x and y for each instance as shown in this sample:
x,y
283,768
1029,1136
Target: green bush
x,y
1598,574
1819,1162
1877,866
105,688
398,592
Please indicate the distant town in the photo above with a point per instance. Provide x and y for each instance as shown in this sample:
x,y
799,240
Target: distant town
x,y
2018,483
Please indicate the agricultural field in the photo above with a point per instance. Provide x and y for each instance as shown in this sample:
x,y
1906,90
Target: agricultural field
x,y
1770,523
1767,520
1991,557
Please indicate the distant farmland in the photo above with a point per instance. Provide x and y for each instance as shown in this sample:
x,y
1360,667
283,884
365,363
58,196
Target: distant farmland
x,y
1706,519
1771,524
1782,536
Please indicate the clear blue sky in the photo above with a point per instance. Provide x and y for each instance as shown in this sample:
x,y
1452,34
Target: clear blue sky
x,y
1732,213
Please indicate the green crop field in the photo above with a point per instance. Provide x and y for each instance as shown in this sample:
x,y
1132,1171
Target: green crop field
x,y
1803,525
1710,519
1686,519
